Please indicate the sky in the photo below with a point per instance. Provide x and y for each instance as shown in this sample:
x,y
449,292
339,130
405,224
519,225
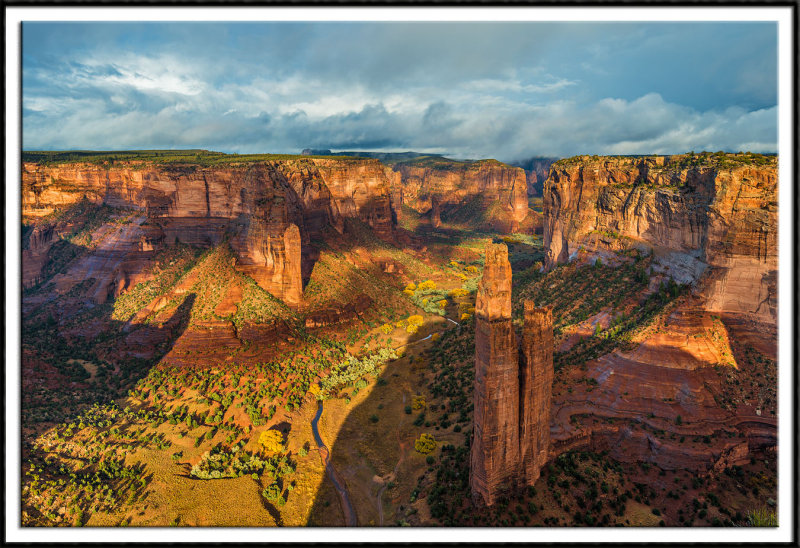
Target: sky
x,y
509,91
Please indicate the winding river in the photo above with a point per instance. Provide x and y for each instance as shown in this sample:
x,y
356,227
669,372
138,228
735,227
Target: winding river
x,y
338,482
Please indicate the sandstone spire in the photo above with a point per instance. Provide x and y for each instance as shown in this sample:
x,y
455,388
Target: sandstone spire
x,y
292,276
536,386
511,437
494,459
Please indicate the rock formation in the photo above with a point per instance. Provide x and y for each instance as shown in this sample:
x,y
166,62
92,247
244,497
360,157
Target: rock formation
x,y
535,389
488,191
494,460
511,438
711,218
252,205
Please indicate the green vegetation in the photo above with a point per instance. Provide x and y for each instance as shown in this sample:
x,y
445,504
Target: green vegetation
x,y
198,157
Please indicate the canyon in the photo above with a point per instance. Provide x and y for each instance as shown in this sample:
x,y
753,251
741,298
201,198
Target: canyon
x,y
270,212
415,296
485,193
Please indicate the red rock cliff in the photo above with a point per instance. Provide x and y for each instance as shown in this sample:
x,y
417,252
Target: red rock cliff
x,y
710,215
251,204
498,189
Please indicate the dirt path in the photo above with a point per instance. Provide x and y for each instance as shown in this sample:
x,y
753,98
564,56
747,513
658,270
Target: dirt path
x,y
336,479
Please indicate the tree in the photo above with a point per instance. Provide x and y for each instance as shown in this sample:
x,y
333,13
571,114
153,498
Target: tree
x,y
425,444
272,441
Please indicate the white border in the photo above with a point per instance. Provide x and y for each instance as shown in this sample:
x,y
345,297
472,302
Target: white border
x,y
782,15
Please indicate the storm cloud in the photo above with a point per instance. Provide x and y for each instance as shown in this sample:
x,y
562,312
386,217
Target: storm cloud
x,y
470,90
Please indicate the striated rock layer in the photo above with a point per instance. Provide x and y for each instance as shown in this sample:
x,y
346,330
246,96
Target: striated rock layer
x,y
494,459
512,396
496,191
711,218
536,389
253,205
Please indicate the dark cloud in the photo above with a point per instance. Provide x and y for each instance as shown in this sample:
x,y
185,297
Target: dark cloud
x,y
473,90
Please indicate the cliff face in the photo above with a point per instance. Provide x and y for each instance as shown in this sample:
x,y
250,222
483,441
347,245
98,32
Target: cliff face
x,y
255,205
499,190
715,217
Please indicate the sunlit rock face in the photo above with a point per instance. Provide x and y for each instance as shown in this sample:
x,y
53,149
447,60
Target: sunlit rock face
x,y
252,206
512,397
536,389
494,461
498,191
709,223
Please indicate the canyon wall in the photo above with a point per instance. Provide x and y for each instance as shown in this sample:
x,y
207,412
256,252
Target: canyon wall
x,y
709,219
253,205
494,193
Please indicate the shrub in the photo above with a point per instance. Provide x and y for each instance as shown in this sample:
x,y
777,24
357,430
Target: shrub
x,y
272,441
411,287
272,492
427,285
762,517
425,444
415,320
373,418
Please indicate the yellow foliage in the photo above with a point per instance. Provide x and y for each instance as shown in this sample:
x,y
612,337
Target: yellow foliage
x,y
314,389
408,292
510,240
400,323
411,287
472,269
412,329
415,319
424,302
427,284
435,337
417,402
442,303
458,292
453,263
464,306
387,328
272,441
425,444
465,317
461,276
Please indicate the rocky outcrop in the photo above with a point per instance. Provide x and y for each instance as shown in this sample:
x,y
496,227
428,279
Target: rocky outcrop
x,y
536,388
252,205
511,438
494,459
710,218
491,194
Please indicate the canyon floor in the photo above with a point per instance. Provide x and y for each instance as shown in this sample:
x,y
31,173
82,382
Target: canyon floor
x,y
150,409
